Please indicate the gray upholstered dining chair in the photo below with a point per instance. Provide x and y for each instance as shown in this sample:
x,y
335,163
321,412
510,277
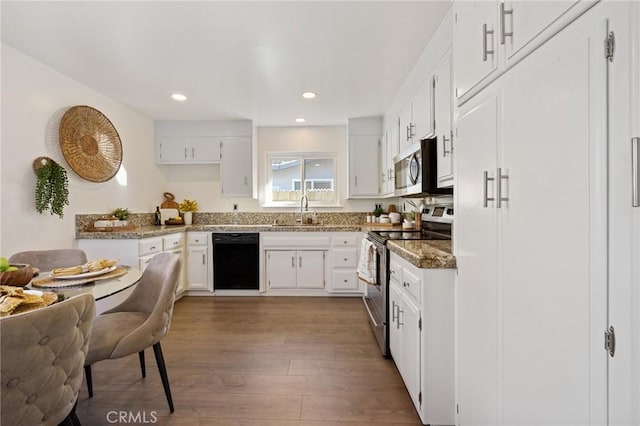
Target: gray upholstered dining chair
x,y
46,260
139,322
42,354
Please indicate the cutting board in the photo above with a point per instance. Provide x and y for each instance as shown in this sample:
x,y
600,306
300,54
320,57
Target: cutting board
x,y
169,202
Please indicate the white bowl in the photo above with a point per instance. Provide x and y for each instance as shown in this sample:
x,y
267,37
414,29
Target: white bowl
x,y
385,220
395,217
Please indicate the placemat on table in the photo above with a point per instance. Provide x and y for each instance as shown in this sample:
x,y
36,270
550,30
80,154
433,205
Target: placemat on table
x,y
53,283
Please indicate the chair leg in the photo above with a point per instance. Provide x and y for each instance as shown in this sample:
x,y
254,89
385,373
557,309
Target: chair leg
x,y
87,374
142,367
157,350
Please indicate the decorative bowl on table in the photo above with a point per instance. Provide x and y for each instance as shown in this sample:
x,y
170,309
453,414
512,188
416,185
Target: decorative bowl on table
x,y
19,277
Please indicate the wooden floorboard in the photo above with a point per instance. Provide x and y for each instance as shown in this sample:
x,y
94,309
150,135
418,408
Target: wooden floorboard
x,y
272,361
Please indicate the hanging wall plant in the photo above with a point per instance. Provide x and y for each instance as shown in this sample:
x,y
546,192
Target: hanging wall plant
x,y
52,186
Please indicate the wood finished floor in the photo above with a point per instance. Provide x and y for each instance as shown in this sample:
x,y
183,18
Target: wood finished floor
x,y
272,361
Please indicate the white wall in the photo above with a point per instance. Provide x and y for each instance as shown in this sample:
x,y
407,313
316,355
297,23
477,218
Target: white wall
x,y
34,97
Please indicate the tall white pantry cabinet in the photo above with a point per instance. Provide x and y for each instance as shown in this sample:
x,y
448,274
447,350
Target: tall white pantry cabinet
x,y
546,239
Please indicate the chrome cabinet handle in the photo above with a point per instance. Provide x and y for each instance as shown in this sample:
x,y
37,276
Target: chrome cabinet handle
x,y
185,153
293,261
193,153
503,33
444,146
204,261
499,196
485,192
412,127
635,176
393,311
383,177
485,33
246,181
408,132
391,175
300,262
398,323
355,180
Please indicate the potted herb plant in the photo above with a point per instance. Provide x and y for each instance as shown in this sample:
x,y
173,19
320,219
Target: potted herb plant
x,y
52,186
122,214
187,207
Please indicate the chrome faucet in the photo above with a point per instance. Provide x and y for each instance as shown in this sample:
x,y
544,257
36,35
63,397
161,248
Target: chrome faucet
x,y
306,208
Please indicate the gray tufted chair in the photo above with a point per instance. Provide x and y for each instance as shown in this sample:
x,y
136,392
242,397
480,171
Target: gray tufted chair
x,y
46,260
43,352
139,322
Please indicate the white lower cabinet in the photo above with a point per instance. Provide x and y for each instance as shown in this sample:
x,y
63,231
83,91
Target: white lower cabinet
x,y
288,269
344,263
421,337
198,261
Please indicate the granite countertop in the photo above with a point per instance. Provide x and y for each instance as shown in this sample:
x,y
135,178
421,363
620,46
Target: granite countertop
x,y
155,231
425,254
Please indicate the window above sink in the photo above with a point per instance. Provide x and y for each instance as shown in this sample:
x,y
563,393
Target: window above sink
x,y
290,175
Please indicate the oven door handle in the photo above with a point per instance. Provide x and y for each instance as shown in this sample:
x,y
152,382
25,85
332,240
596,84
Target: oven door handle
x,y
373,319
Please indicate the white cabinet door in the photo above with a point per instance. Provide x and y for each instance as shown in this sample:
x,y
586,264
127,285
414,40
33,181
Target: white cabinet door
x,y
310,272
236,179
422,111
205,150
475,36
411,354
281,268
395,333
363,166
442,99
405,124
197,268
526,19
172,150
476,258
548,314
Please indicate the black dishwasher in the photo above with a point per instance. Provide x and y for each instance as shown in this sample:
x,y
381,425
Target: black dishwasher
x,y
236,261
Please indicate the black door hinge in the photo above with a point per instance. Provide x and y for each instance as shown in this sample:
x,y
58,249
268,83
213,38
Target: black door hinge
x,y
610,341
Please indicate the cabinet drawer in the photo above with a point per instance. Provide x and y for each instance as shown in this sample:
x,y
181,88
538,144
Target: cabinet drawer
x,y
170,242
411,283
344,241
194,239
345,258
150,246
344,280
395,271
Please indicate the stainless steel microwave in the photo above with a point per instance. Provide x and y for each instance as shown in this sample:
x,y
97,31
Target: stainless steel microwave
x,y
416,170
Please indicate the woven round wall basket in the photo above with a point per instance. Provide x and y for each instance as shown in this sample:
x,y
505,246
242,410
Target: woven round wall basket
x,y
90,143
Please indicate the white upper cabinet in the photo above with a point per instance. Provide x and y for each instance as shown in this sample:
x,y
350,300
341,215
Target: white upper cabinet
x,y
236,170
188,149
416,117
442,113
491,36
475,27
195,142
365,136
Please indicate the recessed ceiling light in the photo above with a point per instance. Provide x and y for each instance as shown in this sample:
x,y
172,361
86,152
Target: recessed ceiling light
x,y
179,97
308,95
300,120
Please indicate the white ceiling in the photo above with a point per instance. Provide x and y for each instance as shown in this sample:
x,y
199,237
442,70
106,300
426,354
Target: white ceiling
x,y
232,59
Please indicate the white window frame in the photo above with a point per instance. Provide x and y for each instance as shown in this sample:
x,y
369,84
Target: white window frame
x,y
302,156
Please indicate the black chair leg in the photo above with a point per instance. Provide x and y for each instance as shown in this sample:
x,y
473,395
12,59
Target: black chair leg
x,y
87,374
142,367
157,350
72,418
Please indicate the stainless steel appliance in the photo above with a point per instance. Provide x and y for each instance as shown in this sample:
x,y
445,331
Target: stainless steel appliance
x,y
437,222
236,261
416,170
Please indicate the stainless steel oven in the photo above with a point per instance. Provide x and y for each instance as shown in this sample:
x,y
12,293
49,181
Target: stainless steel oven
x,y
437,223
